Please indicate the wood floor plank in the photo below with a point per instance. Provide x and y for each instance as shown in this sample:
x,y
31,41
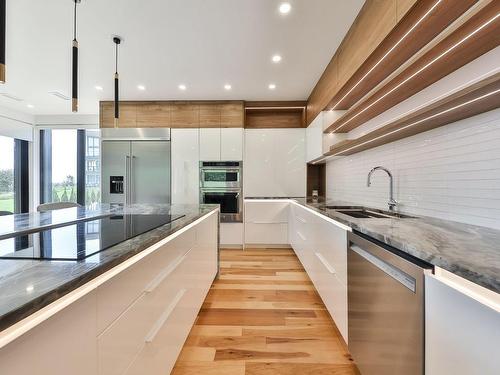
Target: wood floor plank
x,y
299,368
263,316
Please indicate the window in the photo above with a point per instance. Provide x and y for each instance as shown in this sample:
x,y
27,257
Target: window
x,y
7,191
14,175
92,167
92,145
70,166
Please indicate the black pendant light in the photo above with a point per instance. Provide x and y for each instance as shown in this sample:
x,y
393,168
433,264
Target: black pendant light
x,y
2,39
117,40
74,90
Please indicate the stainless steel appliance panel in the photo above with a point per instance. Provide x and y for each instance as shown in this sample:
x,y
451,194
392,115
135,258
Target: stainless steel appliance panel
x,y
135,172
385,310
115,167
150,172
221,183
230,201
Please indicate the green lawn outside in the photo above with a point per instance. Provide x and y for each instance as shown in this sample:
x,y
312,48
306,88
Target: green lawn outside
x,y
7,202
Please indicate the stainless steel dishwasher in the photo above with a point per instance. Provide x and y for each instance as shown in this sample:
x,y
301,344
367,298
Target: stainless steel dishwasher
x,y
385,308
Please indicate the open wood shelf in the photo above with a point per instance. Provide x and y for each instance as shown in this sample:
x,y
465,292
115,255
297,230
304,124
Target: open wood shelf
x,y
478,35
275,114
480,97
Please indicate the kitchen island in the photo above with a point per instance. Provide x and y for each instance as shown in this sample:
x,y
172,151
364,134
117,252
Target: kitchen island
x,y
114,305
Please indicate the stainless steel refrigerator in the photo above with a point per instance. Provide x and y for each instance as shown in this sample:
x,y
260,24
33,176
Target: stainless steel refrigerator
x,y
135,171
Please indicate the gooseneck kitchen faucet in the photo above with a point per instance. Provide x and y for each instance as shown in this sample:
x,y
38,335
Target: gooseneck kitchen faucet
x,y
392,203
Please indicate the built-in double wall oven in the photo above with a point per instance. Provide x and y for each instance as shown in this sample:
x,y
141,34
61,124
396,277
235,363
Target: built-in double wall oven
x,y
221,183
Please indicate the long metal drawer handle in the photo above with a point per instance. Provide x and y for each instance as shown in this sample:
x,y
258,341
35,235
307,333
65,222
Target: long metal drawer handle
x,y
325,263
164,316
165,273
391,270
301,236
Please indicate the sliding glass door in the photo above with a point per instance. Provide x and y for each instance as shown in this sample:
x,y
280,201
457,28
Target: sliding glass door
x,y
69,166
14,175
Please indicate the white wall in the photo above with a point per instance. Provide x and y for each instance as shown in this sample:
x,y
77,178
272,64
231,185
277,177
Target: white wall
x,y
452,172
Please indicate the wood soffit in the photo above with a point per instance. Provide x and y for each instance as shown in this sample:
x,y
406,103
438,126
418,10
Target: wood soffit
x,y
475,37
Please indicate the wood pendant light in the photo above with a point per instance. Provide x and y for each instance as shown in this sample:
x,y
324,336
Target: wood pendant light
x,y
2,39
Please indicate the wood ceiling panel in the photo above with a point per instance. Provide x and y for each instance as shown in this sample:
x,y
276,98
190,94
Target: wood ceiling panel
x,y
478,35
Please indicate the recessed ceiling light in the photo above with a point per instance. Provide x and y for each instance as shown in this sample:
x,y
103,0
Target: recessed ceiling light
x,y
30,106
227,87
141,87
271,86
285,8
182,87
276,58
99,88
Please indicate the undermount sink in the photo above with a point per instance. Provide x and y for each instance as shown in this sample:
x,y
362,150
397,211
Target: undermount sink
x,y
367,213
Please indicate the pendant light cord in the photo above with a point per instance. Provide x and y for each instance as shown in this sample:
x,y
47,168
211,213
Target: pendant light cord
x,y
74,23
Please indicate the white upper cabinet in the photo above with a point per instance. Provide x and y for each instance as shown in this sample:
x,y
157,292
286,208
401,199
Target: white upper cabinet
x,y
185,166
274,163
218,144
314,137
210,144
231,144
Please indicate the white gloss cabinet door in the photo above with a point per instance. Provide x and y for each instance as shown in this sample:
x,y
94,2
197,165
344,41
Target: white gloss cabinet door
x,y
314,138
274,163
462,335
185,166
210,144
64,344
231,144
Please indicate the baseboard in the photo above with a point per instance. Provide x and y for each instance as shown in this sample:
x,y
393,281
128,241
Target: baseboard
x,y
230,246
268,246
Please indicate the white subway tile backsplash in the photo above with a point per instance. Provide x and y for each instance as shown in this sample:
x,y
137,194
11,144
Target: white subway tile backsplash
x,y
452,172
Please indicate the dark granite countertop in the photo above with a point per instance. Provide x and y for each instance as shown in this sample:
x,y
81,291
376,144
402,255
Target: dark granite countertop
x,y
469,251
11,225
29,285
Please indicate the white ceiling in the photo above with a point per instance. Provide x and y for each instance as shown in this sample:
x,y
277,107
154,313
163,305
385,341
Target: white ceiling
x,y
203,44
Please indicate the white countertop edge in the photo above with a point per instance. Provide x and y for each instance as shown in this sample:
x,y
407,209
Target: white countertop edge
x,y
472,290
13,332
292,200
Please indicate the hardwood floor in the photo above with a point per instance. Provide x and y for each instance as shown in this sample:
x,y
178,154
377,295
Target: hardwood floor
x,y
263,316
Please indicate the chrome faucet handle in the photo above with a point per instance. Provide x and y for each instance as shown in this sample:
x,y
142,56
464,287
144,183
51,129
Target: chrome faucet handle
x,y
392,204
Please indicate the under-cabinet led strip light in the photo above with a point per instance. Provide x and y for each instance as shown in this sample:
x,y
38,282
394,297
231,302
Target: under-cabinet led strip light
x,y
418,122
420,70
389,52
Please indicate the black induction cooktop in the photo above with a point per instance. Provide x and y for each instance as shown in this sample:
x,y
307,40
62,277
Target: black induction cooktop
x,y
83,239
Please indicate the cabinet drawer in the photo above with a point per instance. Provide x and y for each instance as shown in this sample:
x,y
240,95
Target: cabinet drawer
x,y
126,336
331,243
117,294
266,212
263,234
158,355
331,290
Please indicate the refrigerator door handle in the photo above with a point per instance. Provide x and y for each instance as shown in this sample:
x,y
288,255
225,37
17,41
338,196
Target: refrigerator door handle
x,y
132,179
127,181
